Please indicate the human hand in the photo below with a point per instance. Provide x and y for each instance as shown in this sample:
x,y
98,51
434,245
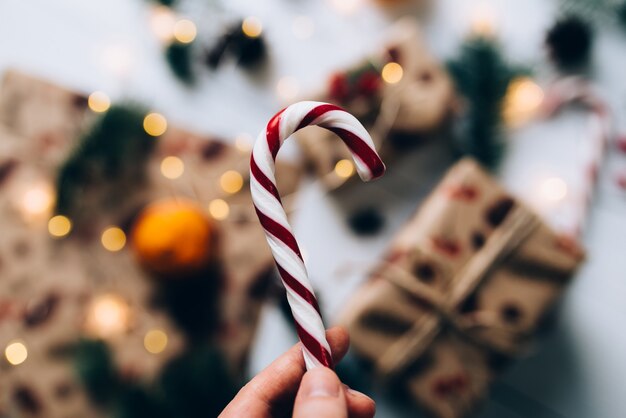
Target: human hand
x,y
286,389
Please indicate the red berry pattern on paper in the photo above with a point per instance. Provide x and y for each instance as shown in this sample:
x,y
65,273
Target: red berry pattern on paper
x,y
453,385
449,247
462,192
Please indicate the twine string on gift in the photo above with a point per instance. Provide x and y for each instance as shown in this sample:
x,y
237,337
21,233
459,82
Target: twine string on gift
x,y
517,226
268,206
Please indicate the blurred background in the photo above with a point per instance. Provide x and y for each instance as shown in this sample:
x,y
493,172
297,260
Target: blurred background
x,y
135,279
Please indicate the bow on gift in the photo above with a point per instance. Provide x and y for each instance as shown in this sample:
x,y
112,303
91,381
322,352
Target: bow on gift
x,y
480,328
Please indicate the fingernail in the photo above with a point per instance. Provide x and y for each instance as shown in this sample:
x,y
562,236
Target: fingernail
x,y
356,392
322,383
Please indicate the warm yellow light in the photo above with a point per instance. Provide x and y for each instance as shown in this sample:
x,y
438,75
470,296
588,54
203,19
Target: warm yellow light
x,y
155,341
252,27
59,226
172,167
162,23
185,31
287,88
37,200
392,72
16,352
231,181
99,102
344,168
219,209
113,238
482,20
522,100
554,189
155,124
345,6
107,315
243,142
302,27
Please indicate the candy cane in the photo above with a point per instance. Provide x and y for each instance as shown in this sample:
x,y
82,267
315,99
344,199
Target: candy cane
x,y
272,216
574,89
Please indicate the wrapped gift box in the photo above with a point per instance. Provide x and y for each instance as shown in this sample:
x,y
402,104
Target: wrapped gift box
x,y
398,114
58,280
467,283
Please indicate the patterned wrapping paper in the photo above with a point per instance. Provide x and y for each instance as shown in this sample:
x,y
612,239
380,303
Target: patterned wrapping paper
x,y
465,286
57,280
398,116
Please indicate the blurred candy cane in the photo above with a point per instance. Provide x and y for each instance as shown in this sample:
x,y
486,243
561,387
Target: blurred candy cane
x,y
269,209
576,89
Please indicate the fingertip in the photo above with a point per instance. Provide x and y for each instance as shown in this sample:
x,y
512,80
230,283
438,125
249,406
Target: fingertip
x,y
359,404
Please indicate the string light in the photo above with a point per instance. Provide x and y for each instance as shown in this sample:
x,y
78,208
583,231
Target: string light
x,y
219,209
231,181
287,88
162,23
302,27
392,73
345,7
16,352
172,167
243,142
155,124
252,27
155,341
483,19
554,189
98,102
107,315
522,100
344,168
37,200
59,226
113,239
185,31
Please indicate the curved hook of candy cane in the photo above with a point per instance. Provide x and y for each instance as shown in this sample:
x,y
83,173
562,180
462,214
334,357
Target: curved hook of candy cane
x,y
272,216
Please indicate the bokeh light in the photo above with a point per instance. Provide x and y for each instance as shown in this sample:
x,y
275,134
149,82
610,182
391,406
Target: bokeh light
x,y
553,189
162,23
155,124
344,168
185,31
231,181
37,200
59,226
252,27
219,209
172,167
107,315
522,100
113,239
16,352
392,73
244,142
155,341
99,102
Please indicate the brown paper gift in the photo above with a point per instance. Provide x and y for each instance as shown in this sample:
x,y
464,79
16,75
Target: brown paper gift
x,y
397,115
466,284
57,280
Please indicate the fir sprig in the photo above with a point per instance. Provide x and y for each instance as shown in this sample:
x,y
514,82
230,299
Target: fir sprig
x,y
114,150
482,76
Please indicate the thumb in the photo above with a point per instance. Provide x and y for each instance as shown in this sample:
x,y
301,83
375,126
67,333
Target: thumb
x,y
321,395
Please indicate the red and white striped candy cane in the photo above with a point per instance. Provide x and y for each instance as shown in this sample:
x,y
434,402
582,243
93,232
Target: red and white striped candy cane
x,y
270,211
575,89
